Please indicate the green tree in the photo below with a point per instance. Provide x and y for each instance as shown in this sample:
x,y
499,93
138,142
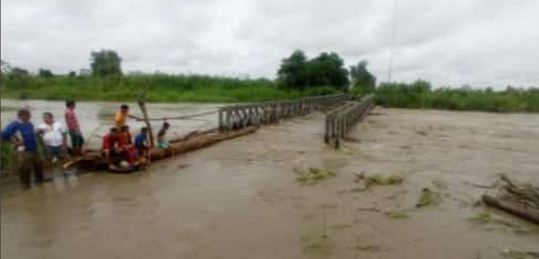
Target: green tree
x,y
45,73
17,71
6,67
297,71
327,70
362,80
292,72
105,63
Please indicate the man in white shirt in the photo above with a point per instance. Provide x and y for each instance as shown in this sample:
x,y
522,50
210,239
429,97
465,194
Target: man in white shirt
x,y
54,136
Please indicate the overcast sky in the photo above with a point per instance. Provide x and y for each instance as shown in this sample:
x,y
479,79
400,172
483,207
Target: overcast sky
x,y
450,42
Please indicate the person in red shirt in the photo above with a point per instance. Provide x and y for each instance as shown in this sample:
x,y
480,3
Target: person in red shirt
x,y
110,145
73,128
126,145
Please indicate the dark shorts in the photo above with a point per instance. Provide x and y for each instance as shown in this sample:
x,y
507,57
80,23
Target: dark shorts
x,y
76,139
141,150
52,152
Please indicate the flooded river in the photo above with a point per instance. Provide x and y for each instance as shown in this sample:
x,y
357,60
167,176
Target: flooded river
x,y
241,199
96,117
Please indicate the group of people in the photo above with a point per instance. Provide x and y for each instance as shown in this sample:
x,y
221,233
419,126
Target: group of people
x,y
118,146
51,134
121,150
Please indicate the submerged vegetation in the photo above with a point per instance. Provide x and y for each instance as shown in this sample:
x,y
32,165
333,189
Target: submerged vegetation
x,y
428,197
374,180
394,179
485,218
398,215
313,175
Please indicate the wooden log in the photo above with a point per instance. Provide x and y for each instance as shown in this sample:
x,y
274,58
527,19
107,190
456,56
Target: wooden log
x,y
514,208
183,145
199,142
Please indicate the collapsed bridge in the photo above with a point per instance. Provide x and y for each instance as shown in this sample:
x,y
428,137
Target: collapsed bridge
x,y
239,120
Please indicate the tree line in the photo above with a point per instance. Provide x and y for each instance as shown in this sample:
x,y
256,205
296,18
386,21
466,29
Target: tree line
x,y
327,69
295,72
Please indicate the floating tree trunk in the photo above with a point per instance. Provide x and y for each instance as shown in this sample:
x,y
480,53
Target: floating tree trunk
x,y
191,142
514,208
521,200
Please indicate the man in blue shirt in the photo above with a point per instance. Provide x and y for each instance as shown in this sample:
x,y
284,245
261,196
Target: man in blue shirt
x,y
27,147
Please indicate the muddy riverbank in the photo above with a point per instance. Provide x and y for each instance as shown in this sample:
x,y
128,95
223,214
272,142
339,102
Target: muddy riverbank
x,y
241,198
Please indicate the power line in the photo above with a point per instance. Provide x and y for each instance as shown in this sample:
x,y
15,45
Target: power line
x,y
393,38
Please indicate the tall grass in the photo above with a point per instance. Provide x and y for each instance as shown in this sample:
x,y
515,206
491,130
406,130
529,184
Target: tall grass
x,y
420,95
6,156
164,88
199,88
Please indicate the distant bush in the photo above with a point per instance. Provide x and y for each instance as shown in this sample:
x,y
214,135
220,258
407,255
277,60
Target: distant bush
x,y
419,94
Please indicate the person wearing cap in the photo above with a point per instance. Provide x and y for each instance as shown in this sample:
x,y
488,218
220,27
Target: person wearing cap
x,y
29,159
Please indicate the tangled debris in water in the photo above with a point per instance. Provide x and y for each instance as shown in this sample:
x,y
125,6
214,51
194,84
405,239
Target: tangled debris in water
x,y
514,254
313,175
372,180
316,245
428,197
397,215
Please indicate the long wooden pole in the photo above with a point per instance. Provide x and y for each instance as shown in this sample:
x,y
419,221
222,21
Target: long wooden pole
x,y
142,105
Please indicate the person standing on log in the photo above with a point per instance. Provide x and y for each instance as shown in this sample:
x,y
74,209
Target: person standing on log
x,y
122,115
161,141
29,158
109,147
142,146
77,140
126,145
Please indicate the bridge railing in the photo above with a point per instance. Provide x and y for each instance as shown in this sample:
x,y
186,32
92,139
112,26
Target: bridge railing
x,y
239,116
340,121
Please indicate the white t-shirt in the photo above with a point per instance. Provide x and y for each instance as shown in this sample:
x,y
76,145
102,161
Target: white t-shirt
x,y
52,134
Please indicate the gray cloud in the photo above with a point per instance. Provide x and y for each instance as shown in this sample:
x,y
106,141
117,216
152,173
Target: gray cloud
x,y
478,42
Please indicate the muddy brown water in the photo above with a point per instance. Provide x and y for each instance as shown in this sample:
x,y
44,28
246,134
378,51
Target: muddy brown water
x,y
241,199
